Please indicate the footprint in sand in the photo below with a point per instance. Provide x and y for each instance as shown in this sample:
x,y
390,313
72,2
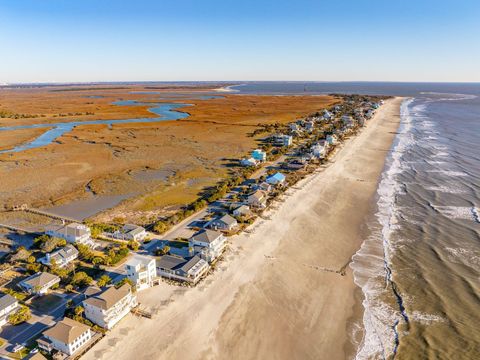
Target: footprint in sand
x,y
113,341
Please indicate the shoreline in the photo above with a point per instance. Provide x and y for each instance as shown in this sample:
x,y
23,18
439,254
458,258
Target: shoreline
x,y
266,286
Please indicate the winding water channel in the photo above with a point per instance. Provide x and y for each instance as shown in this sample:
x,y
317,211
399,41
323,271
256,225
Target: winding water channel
x,y
166,111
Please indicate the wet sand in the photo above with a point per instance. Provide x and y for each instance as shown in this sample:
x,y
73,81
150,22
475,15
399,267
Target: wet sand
x,y
285,290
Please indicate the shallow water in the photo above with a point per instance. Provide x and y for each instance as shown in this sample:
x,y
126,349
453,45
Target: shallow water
x,y
84,208
166,111
419,270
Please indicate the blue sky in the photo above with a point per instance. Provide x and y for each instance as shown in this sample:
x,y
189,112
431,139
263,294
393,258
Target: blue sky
x,y
115,40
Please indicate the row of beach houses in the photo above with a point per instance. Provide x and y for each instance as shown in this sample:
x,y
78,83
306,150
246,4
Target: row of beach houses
x,y
106,306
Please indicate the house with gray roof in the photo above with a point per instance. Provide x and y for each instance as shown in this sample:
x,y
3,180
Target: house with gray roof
x,y
131,232
210,243
183,269
39,283
225,223
61,257
8,305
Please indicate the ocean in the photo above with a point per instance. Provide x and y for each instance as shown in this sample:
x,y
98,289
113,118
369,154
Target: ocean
x,y
419,268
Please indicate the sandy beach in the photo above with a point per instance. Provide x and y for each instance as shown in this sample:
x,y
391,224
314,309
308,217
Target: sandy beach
x,y
284,290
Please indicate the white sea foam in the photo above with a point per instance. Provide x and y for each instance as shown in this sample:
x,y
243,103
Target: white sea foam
x,y
449,189
369,270
449,96
425,319
468,257
458,212
449,172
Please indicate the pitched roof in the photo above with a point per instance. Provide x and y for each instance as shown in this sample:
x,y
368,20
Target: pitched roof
x,y
227,219
206,236
278,177
40,279
257,195
64,252
133,229
108,297
66,331
7,300
177,263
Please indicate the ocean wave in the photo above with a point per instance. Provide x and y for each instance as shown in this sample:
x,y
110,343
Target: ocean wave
x,y
451,96
372,273
468,257
449,189
459,212
426,319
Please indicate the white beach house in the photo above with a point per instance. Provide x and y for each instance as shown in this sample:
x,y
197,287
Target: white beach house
x,y
257,200
283,140
39,283
225,223
210,243
61,257
8,305
72,233
107,307
248,162
131,232
141,271
67,336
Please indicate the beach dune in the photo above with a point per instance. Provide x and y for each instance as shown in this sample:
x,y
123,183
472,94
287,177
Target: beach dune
x,y
285,290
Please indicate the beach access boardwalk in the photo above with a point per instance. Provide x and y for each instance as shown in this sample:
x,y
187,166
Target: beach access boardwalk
x,y
50,215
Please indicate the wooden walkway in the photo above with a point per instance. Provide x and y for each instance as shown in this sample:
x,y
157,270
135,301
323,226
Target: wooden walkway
x,y
17,229
45,213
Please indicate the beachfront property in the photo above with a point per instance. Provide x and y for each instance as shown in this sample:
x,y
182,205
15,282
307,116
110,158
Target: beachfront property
x,y
283,140
327,115
209,244
332,139
259,155
347,121
309,126
264,186
141,271
8,305
66,336
183,269
297,164
319,150
39,283
61,257
131,232
108,306
276,179
242,211
257,200
294,127
72,233
248,162
225,223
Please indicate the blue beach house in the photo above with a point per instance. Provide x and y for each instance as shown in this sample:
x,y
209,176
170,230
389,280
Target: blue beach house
x,y
276,179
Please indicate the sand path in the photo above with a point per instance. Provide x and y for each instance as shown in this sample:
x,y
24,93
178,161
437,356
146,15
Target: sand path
x,y
281,293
